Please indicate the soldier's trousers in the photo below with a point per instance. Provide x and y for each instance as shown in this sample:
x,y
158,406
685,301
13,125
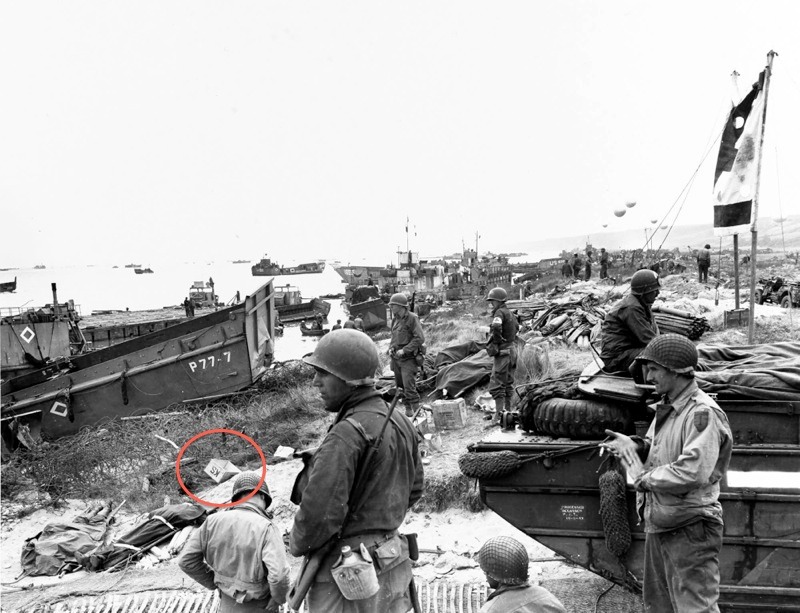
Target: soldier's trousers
x,y
501,383
392,597
681,569
405,376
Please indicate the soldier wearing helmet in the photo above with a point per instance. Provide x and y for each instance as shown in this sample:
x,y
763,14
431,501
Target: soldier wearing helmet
x,y
630,325
503,333
504,560
345,362
240,552
405,350
703,263
676,471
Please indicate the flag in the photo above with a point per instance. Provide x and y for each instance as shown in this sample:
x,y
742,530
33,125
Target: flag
x,y
737,164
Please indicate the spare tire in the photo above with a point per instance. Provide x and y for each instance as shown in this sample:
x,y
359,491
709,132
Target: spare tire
x,y
581,418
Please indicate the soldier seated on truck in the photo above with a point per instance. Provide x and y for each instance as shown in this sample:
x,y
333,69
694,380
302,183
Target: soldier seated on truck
x,y
630,325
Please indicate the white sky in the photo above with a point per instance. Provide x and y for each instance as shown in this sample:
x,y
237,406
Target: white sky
x,y
309,129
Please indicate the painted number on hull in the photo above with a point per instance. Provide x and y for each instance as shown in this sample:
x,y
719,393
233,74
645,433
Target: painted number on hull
x,y
210,361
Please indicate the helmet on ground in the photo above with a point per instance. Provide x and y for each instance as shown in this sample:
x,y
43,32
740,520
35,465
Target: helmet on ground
x,y
644,281
247,481
497,293
505,560
672,351
399,299
348,354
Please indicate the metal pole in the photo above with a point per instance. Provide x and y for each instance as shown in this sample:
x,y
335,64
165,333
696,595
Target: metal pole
x,y
754,226
736,270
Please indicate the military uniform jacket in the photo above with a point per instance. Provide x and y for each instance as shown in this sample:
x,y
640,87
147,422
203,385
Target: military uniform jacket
x,y
407,334
627,325
524,598
239,551
504,327
688,449
393,481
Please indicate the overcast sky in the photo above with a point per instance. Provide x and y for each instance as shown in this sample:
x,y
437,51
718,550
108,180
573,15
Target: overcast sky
x,y
311,129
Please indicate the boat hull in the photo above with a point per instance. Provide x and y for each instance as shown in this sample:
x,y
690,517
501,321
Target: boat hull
x,y
304,310
200,358
271,270
373,312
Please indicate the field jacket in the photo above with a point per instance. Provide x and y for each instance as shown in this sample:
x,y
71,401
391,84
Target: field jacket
x,y
629,324
523,598
239,551
687,450
393,483
407,334
503,328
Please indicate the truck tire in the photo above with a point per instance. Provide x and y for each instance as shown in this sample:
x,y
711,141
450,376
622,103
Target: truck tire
x,y
759,297
579,418
786,302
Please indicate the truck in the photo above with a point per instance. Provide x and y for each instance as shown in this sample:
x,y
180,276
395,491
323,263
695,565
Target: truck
x,y
543,476
777,290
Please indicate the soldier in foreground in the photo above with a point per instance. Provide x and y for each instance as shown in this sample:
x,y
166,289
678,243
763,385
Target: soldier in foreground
x,y
501,346
676,471
504,560
629,325
240,552
405,350
349,498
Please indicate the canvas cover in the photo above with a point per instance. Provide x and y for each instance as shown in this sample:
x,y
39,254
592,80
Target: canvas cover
x,y
58,546
462,367
769,371
156,528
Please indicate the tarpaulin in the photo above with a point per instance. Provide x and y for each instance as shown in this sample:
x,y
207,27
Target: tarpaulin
x,y
769,371
160,524
456,353
465,374
54,549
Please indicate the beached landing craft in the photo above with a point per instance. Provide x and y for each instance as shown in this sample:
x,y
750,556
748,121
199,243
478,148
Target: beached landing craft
x,y
201,358
9,286
267,268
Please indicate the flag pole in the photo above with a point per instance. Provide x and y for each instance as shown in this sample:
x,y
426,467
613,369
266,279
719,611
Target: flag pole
x,y
754,224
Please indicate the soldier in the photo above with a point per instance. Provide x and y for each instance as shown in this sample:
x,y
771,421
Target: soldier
x,y
240,552
337,325
603,263
345,365
501,346
686,453
405,350
505,563
629,325
703,263
350,323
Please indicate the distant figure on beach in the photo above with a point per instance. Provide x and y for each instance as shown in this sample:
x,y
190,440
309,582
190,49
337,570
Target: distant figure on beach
x,y
603,263
358,323
349,323
187,306
703,263
576,266
337,325
588,267
566,269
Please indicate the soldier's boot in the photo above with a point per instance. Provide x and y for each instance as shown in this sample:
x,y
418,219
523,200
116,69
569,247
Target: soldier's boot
x,y
499,407
411,408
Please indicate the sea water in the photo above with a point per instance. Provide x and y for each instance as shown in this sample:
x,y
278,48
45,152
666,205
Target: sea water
x,y
96,288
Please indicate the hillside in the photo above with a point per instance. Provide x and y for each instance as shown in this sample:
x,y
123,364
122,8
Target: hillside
x,y
692,236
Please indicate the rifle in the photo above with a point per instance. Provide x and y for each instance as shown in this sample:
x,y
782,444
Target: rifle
x,y
311,563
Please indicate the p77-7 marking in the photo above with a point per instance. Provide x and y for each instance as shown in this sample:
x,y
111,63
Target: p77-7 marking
x,y
210,361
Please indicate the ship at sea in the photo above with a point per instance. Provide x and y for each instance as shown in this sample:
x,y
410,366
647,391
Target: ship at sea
x,y
266,267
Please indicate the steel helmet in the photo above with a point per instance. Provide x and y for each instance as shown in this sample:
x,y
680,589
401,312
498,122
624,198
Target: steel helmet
x,y
399,299
672,351
644,281
505,560
247,481
497,293
348,354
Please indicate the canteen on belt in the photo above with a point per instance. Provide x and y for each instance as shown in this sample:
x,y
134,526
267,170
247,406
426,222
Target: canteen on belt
x,y
355,575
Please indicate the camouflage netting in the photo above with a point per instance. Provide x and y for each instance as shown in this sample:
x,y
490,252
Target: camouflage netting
x,y
488,465
614,510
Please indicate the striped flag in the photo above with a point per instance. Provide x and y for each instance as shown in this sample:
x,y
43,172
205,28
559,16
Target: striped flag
x,y
737,164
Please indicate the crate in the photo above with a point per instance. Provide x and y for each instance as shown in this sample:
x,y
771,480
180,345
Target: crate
x,y
221,470
449,414
736,317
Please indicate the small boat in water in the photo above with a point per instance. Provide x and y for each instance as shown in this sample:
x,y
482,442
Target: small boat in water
x,y
9,286
290,306
142,271
200,358
312,331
